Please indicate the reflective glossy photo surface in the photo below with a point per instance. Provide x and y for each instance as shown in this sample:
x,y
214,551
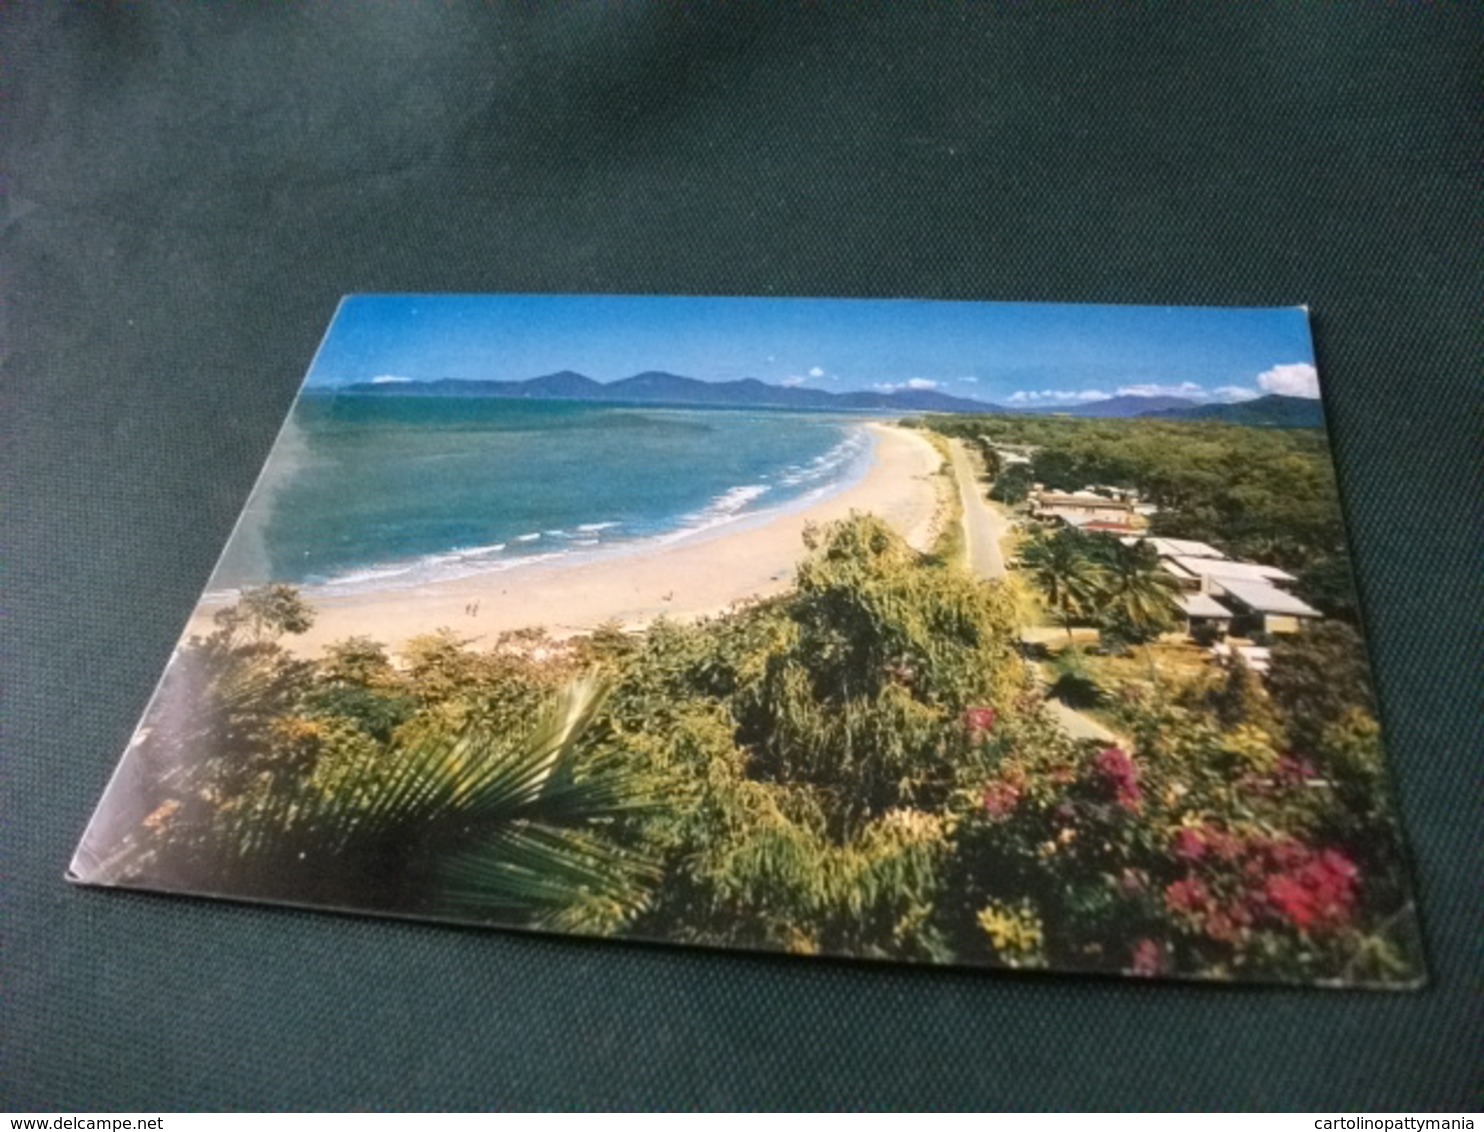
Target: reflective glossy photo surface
x,y
1005,635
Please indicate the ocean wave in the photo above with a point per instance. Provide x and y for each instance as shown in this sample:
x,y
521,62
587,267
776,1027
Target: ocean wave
x,y
372,574
481,551
725,508
828,464
797,485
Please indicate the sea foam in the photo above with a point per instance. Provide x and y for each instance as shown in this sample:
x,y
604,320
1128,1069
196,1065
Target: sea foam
x,y
794,485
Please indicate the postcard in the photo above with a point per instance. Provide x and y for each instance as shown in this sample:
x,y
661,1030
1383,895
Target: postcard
x,y
1004,635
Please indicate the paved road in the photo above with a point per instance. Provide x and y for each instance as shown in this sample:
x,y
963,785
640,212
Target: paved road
x,y
984,523
984,526
1080,726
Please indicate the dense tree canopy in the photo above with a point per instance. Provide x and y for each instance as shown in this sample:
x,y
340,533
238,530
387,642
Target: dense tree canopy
x,y
862,766
1263,494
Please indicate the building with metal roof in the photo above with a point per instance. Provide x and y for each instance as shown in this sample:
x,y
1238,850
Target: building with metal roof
x,y
1179,547
1213,570
1263,607
1204,611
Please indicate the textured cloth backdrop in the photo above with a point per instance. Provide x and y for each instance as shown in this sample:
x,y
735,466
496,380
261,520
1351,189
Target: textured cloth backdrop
x,y
190,190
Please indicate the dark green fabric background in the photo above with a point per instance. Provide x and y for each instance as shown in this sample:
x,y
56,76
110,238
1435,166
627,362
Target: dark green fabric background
x,y
190,190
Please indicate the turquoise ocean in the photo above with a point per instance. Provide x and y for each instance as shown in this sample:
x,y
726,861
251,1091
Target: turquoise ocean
x,y
390,492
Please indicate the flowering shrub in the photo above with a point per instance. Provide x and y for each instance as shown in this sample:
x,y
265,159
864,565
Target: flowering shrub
x,y
1198,849
978,722
1121,778
1000,799
1014,932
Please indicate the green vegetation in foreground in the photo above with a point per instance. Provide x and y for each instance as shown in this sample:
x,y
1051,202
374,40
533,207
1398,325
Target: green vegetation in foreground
x,y
859,767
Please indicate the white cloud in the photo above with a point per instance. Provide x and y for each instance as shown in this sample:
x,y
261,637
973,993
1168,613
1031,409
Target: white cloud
x,y
790,382
1231,393
1184,389
388,379
1055,396
815,371
910,383
969,380
1298,379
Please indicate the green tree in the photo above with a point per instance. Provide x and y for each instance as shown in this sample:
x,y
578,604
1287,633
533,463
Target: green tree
x,y
1067,575
1135,598
265,613
1315,678
1012,485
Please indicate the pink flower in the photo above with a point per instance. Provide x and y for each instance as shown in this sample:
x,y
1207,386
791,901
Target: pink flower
x,y
1000,800
1314,892
1341,869
978,721
1148,958
1189,844
1118,772
1188,896
1115,764
1292,900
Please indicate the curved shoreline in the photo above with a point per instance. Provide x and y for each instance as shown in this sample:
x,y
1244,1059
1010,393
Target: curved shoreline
x,y
684,579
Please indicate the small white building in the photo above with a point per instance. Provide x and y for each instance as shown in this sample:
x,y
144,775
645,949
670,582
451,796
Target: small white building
x,y
1260,606
1211,572
1177,547
1203,610
1072,506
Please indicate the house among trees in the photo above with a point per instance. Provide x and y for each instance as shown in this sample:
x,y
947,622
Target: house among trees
x,y
1259,607
1203,613
1081,508
1208,573
1221,596
1179,547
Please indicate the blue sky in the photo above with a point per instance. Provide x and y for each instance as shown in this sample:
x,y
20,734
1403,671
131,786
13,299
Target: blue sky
x,y
1009,353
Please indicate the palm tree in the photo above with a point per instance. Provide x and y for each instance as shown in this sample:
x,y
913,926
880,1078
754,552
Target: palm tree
x,y
457,821
1071,580
1134,592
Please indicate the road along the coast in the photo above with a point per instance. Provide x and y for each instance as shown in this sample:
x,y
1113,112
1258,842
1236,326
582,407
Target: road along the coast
x,y
985,525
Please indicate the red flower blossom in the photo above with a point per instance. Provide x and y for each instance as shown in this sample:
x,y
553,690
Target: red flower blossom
x,y
1316,895
1000,800
1189,844
1221,925
978,721
1189,896
1148,958
1340,868
1115,763
1118,772
1291,899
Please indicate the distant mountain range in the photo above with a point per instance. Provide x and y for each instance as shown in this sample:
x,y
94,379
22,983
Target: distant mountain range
x,y
1127,406
655,387
1272,411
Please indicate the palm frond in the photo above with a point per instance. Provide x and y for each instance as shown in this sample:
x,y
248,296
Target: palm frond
x,y
465,818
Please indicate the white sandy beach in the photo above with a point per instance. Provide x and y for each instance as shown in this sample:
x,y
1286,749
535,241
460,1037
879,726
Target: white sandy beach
x,y
692,577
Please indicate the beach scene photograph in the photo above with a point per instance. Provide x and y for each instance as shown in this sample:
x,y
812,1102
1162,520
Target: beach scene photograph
x,y
1017,636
